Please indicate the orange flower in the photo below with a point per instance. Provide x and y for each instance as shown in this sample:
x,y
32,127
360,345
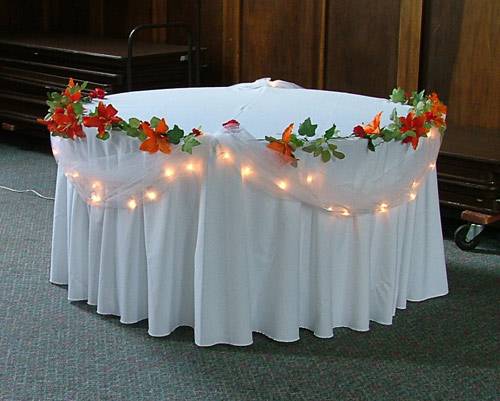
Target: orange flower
x,y
105,118
415,124
283,146
437,106
75,97
157,138
374,126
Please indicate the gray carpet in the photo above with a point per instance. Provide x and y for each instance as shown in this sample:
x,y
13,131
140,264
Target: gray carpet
x,y
51,349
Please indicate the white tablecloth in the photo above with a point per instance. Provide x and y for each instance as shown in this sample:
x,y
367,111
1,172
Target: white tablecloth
x,y
229,260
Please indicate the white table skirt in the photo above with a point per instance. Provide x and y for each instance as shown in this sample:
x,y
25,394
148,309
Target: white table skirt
x,y
253,263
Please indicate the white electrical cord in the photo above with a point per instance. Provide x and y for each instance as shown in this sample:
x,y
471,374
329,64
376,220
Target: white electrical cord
x,y
26,190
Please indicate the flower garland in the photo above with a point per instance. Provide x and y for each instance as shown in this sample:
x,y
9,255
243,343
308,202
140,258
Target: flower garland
x,y
66,117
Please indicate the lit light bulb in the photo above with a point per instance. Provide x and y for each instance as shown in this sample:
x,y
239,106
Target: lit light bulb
x,y
309,179
190,167
246,171
345,212
329,209
432,166
96,185
95,198
414,185
282,184
226,156
412,195
383,207
55,151
169,172
151,195
132,204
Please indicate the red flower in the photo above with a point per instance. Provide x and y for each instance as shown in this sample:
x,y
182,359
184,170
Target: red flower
x,y
157,138
282,146
76,96
415,124
231,124
197,132
105,118
64,121
436,120
98,93
359,131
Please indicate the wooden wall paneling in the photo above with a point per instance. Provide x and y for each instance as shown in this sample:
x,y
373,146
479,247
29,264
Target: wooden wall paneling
x,y
159,15
410,26
211,39
96,17
475,82
460,57
281,39
362,46
231,40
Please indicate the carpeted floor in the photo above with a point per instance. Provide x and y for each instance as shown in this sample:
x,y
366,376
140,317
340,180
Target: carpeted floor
x,y
51,349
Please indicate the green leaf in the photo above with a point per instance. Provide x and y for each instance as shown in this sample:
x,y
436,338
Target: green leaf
x,y
332,147
175,135
325,155
338,155
307,128
394,115
398,96
408,133
371,146
103,137
154,122
84,85
309,148
78,108
331,132
189,143
134,122
296,142
270,139
317,152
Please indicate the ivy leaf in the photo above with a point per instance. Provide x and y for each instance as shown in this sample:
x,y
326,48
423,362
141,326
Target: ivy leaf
x,y
134,122
332,147
103,137
175,135
270,139
325,155
331,132
309,148
296,142
154,122
394,115
78,108
338,155
307,128
371,146
398,96
408,133
83,85
189,143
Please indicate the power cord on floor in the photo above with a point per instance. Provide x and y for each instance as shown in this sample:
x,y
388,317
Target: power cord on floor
x,y
27,190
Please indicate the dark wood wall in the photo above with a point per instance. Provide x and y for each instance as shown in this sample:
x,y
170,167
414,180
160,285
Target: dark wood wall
x,y
361,46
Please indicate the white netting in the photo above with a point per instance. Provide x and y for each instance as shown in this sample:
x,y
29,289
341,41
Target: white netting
x,y
116,173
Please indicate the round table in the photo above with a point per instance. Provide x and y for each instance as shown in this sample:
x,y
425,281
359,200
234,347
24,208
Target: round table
x,y
228,258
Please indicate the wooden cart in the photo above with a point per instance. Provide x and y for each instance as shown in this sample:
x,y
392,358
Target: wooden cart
x,y
469,180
